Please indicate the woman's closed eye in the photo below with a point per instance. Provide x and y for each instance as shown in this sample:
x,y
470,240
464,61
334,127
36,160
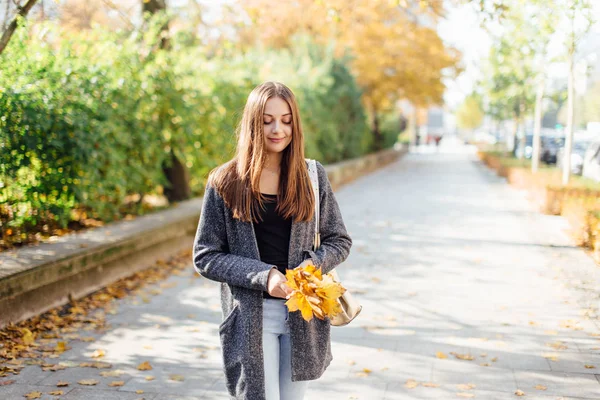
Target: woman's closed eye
x,y
285,122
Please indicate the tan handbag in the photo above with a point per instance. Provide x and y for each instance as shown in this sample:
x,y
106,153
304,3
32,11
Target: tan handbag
x,y
350,307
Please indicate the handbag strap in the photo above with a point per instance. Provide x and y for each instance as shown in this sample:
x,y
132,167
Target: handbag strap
x,y
314,180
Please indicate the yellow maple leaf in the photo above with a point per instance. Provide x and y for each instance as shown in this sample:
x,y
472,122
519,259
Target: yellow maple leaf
x,y
145,366
27,337
298,302
314,294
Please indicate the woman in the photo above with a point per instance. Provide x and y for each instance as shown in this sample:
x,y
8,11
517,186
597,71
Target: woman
x,y
258,220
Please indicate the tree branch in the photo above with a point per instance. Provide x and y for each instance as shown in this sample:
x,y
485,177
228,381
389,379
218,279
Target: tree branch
x,y
123,16
22,12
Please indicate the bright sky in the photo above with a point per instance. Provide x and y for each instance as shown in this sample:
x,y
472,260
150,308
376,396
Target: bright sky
x,y
461,30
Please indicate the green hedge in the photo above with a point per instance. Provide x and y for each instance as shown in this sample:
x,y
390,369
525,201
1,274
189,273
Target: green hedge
x,y
90,119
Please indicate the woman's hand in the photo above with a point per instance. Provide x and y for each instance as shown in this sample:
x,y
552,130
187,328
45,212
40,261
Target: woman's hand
x,y
276,285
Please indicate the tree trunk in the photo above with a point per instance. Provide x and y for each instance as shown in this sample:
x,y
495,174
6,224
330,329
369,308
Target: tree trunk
x,y
537,129
175,171
178,176
153,7
12,27
569,133
511,139
377,135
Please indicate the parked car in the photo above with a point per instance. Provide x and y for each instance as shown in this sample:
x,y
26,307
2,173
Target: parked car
x,y
591,161
577,156
549,146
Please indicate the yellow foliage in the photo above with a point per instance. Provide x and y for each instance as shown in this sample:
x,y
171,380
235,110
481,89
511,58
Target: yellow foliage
x,y
395,48
314,294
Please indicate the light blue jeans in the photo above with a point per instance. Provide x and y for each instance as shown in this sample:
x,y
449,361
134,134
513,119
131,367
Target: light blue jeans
x,y
277,353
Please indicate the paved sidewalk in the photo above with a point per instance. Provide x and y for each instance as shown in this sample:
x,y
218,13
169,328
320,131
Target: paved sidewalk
x,y
467,292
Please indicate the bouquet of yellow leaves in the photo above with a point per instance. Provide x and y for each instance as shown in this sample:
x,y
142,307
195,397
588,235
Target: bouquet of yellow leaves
x,y
314,293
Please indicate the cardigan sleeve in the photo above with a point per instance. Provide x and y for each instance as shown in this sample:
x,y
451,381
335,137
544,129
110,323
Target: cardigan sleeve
x,y
211,254
335,241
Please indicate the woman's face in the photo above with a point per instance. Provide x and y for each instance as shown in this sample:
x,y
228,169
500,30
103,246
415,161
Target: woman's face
x,y
277,123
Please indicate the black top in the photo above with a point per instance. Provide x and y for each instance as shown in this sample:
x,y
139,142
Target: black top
x,y
273,236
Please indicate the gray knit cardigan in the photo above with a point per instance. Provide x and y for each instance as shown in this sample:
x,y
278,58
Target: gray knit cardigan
x,y
225,250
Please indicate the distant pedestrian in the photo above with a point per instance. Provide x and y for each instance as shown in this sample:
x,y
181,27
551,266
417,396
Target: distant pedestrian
x,y
257,221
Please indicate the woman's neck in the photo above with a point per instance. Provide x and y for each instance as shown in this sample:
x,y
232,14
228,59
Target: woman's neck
x,y
273,162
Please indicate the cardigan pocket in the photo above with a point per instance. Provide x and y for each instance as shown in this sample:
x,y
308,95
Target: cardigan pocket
x,y
232,345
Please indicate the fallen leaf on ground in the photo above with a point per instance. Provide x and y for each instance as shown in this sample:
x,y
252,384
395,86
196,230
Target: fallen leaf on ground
x,y
430,384
588,366
520,393
464,394
116,383
139,391
56,393
149,378
441,355
540,387
467,386
62,384
112,374
53,367
99,365
60,347
463,356
98,354
28,338
411,384
145,366
8,382
88,382
557,345
177,378
33,395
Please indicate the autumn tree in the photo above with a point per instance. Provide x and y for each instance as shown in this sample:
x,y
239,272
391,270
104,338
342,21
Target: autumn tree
x,y
530,24
396,52
509,83
470,113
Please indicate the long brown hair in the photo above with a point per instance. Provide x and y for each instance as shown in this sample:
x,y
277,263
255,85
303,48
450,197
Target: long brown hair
x,y
238,181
